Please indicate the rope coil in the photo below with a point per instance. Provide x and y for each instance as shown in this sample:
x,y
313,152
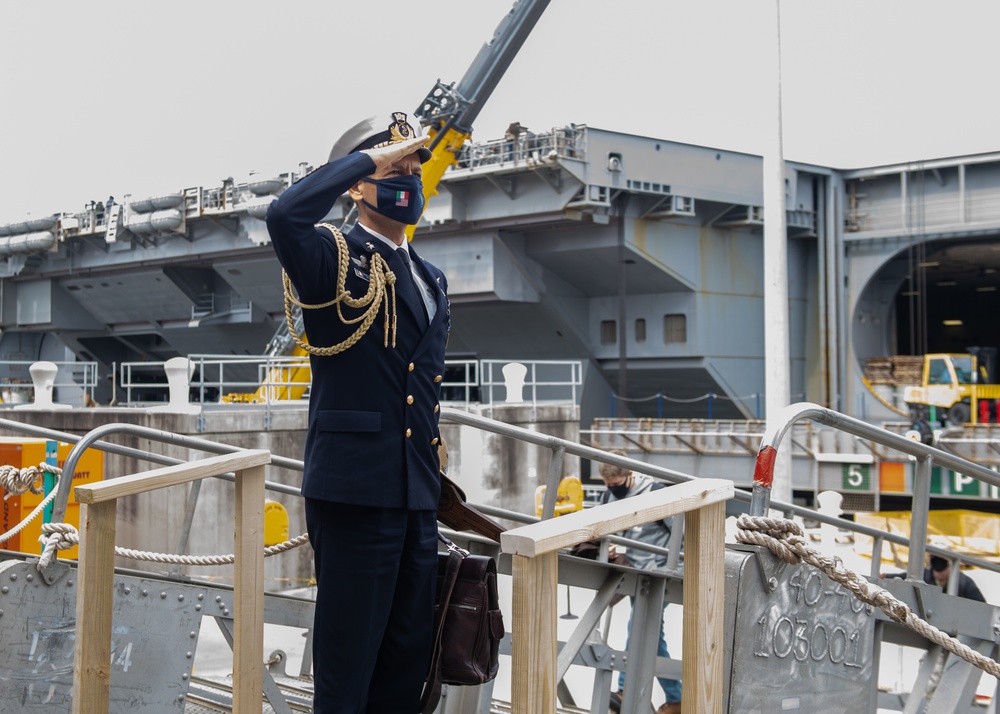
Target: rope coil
x,y
17,481
785,539
377,295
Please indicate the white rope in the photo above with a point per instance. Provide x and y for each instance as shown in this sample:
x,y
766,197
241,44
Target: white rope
x,y
12,481
61,536
785,539
55,536
16,481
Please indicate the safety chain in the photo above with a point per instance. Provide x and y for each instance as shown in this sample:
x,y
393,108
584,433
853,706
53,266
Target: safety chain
x,y
18,481
380,276
61,536
785,539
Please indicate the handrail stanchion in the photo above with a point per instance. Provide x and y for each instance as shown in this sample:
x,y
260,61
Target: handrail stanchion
x,y
876,569
763,476
552,482
920,508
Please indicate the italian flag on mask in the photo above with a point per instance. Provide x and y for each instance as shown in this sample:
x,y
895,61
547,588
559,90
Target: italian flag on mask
x,y
403,198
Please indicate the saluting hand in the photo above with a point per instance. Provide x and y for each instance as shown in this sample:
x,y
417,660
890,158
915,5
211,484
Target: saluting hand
x,y
391,153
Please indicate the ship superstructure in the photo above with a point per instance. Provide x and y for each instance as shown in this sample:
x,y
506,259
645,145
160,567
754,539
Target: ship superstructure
x,y
553,240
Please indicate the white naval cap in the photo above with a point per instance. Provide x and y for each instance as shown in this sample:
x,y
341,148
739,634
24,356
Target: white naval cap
x,y
376,131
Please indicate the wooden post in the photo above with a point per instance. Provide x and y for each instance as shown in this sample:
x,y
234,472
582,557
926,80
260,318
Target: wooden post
x,y
92,651
534,651
534,549
94,599
704,610
248,598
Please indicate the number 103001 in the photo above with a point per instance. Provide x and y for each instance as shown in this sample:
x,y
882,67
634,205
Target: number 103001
x,y
805,638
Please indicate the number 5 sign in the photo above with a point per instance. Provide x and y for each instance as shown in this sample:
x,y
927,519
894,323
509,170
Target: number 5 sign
x,y
856,477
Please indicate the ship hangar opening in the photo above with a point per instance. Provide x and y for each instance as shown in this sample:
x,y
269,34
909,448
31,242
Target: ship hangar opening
x,y
935,296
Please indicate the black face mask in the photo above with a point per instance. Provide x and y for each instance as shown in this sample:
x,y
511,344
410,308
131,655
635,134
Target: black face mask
x,y
400,198
621,490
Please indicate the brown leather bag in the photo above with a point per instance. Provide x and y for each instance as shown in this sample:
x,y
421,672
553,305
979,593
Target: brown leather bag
x,y
468,624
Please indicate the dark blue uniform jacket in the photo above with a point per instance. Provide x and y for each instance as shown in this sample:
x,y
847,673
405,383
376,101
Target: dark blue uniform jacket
x,y
373,410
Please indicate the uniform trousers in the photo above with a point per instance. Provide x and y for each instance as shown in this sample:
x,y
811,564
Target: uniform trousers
x,y
376,571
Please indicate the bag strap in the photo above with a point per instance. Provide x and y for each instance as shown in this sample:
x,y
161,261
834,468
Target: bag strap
x,y
432,688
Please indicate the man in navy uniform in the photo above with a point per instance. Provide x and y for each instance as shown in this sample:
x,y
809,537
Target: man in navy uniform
x,y
371,481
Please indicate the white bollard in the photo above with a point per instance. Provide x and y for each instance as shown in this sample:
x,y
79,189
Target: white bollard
x,y
179,371
43,379
513,375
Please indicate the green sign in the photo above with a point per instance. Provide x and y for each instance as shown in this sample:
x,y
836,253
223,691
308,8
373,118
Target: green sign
x,y
962,485
945,482
857,477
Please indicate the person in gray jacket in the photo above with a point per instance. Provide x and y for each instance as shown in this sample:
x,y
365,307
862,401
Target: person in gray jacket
x,y
623,483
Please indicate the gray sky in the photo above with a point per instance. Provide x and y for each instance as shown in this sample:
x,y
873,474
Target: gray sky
x,y
147,97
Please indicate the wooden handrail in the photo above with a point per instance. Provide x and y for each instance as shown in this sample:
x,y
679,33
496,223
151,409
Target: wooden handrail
x,y
94,602
534,550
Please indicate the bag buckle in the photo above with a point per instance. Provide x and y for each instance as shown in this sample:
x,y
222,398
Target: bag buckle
x,y
453,547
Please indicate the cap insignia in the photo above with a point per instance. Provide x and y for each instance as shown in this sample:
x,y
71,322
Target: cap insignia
x,y
400,130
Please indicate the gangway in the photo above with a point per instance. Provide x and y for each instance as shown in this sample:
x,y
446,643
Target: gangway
x,y
769,661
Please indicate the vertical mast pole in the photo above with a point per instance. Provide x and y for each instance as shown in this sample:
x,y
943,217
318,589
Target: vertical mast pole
x,y
776,349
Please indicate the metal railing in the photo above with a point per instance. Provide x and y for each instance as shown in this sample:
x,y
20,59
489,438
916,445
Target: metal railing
x,y
527,149
544,381
461,381
75,377
924,455
215,378
465,381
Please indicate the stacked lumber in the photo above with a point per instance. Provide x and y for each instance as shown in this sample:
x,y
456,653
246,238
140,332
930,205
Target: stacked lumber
x,y
899,369
907,369
878,370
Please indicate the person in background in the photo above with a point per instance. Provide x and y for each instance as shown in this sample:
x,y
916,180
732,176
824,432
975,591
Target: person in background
x,y
940,572
623,483
371,481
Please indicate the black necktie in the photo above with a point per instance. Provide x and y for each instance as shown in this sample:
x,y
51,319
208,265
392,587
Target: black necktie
x,y
404,254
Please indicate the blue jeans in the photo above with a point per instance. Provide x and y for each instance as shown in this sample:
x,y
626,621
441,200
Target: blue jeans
x,y
671,687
